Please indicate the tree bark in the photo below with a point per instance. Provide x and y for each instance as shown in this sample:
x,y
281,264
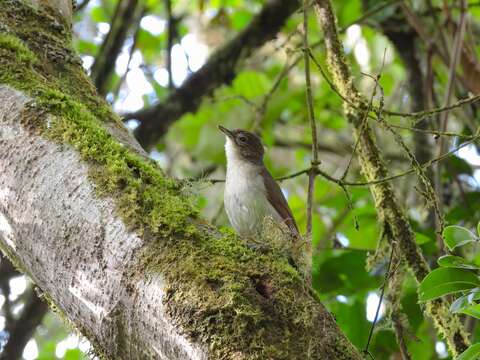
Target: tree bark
x,y
115,246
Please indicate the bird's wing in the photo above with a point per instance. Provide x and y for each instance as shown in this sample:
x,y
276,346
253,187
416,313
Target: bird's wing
x,y
278,201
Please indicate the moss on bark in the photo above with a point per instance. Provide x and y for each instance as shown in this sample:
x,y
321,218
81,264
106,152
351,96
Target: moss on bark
x,y
239,303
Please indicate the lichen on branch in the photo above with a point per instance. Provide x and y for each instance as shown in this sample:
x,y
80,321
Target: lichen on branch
x,y
389,210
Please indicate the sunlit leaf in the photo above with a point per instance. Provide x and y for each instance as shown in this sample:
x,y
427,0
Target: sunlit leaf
x,y
240,19
457,236
251,84
99,14
443,281
472,310
73,354
86,47
455,262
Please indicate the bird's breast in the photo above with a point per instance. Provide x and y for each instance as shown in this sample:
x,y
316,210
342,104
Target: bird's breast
x,y
246,203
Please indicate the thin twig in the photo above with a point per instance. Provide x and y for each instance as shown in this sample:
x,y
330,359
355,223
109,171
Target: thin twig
x,y
385,283
171,24
261,109
393,298
311,117
420,115
372,182
327,79
457,49
432,132
81,6
371,12
294,175
365,118
429,191
451,74
121,23
130,54
417,116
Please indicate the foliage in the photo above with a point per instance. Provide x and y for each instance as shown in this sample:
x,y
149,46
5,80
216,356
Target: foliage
x,y
349,262
457,275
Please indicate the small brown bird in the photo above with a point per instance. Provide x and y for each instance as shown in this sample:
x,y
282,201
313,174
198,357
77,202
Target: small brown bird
x,y
251,193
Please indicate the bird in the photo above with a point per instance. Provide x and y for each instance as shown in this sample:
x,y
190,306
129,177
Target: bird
x,y
251,193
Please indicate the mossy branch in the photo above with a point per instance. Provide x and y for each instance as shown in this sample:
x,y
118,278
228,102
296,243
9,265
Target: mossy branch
x,y
136,269
388,208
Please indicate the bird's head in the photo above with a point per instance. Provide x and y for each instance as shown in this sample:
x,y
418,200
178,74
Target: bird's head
x,y
243,145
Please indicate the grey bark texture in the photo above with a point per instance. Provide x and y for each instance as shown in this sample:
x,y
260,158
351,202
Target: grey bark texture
x,y
116,246
74,247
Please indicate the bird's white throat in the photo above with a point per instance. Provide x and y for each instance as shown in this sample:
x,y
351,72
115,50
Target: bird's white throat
x,y
240,172
233,157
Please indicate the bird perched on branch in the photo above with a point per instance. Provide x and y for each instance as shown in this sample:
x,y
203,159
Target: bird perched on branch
x,y
251,193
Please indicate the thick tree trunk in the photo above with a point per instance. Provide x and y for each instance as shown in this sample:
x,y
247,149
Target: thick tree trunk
x,y
115,246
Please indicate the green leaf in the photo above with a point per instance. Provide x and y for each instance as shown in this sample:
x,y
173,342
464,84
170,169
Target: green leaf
x,y
478,228
455,262
472,310
472,353
421,239
457,236
465,301
240,19
86,47
251,84
457,166
99,14
73,354
443,281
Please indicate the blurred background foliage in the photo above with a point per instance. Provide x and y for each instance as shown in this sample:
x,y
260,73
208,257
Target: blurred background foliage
x,y
266,92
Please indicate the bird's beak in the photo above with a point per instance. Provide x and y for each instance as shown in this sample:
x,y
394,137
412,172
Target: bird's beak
x,y
225,131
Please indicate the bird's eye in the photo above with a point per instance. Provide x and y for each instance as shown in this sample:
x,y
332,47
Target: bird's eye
x,y
242,138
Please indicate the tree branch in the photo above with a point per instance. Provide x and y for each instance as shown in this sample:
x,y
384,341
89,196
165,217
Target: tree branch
x,y
171,35
20,330
388,209
221,68
81,6
104,65
311,118
117,246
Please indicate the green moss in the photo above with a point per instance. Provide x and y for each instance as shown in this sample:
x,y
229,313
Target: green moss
x,y
448,326
12,45
220,292
234,296
145,197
